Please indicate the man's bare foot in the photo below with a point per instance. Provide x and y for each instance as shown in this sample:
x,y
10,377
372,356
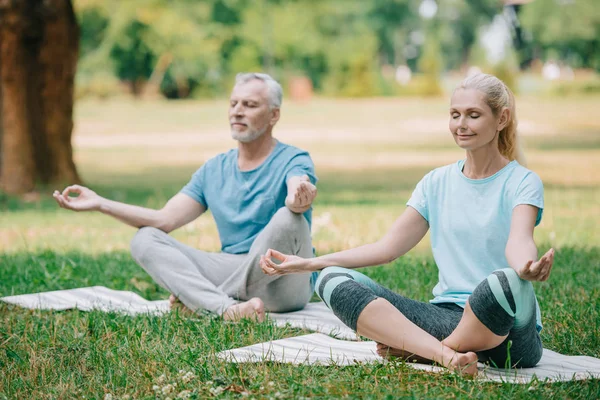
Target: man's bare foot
x,y
463,363
388,352
175,304
252,309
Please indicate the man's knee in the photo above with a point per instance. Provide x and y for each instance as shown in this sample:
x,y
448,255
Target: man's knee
x,y
286,221
144,240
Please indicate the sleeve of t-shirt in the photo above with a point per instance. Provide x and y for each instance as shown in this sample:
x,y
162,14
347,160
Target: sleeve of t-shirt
x,y
300,165
531,191
418,199
195,186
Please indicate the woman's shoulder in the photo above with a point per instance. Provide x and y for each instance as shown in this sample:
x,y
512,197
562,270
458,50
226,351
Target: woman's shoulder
x,y
442,172
521,174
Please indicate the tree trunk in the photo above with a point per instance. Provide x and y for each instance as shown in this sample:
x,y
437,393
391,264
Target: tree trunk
x,y
38,55
58,59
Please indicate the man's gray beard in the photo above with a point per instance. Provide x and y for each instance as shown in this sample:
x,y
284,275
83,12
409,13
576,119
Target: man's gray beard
x,y
249,136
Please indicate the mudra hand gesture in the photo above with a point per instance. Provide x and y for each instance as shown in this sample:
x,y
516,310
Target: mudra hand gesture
x,y
86,200
538,270
288,264
303,194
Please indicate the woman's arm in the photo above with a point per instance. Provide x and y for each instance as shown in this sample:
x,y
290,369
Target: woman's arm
x,y
405,233
521,251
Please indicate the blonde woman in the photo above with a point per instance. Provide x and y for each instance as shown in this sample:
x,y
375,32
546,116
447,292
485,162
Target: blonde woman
x,y
481,212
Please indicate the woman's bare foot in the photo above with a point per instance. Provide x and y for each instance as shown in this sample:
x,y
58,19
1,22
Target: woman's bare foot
x,y
175,304
388,352
252,309
463,363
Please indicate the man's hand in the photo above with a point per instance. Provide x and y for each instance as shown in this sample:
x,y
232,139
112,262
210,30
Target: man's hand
x,y
538,270
301,194
86,200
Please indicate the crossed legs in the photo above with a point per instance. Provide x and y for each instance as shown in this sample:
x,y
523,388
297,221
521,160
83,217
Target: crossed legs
x,y
442,333
231,285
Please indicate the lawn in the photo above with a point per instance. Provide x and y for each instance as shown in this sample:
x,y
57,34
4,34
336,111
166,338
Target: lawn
x,y
369,154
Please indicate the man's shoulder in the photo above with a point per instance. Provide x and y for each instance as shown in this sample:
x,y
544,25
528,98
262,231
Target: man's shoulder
x,y
288,152
220,158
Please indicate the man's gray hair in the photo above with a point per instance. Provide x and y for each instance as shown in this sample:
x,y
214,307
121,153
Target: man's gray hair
x,y
274,88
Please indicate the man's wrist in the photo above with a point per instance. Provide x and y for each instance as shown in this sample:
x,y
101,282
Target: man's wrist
x,y
297,210
103,205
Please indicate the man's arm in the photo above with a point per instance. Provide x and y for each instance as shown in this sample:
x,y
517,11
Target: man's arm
x,y
179,210
301,194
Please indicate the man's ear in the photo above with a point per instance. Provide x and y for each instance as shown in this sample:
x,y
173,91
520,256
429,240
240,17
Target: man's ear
x,y
504,118
275,114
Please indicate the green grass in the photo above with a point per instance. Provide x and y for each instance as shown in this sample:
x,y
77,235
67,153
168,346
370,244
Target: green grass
x,y
368,160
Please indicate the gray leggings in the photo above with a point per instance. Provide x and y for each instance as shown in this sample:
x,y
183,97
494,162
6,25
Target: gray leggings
x,y
503,302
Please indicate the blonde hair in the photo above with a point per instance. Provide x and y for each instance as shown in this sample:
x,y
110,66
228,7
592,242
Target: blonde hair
x,y
498,96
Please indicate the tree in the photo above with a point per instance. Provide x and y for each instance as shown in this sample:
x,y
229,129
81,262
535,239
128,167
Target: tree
x,y
568,30
173,45
38,57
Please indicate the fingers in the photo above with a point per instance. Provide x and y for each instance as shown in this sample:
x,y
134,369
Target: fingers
x,y
549,261
268,266
538,270
308,192
76,189
526,270
275,254
60,200
304,195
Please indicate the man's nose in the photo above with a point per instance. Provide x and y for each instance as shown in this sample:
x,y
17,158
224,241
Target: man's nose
x,y
236,110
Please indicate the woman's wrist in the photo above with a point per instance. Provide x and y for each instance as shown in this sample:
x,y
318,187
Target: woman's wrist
x,y
317,264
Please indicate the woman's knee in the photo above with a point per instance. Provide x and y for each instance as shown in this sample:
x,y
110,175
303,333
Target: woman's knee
x,y
328,279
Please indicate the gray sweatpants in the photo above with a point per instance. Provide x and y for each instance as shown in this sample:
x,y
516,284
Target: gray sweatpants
x,y
216,281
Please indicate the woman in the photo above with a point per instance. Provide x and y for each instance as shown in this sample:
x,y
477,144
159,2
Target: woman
x,y
481,212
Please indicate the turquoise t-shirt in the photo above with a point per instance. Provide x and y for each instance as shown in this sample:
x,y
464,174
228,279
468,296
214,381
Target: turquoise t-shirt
x,y
243,202
469,221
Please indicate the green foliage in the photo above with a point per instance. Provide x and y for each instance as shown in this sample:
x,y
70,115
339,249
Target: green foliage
x,y
430,65
568,29
184,48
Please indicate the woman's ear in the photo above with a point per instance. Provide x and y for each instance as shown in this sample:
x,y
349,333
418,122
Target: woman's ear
x,y
504,119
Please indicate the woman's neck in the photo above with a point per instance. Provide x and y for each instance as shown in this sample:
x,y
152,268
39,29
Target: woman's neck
x,y
484,162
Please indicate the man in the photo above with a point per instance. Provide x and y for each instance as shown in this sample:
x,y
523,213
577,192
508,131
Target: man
x,y
260,195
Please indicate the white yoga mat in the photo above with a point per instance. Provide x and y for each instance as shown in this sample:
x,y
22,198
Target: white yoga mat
x,y
315,317
321,349
318,348
90,298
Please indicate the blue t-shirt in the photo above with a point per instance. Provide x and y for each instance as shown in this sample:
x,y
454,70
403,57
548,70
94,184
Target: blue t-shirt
x,y
243,202
469,220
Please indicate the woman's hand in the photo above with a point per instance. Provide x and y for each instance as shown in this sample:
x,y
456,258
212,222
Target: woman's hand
x,y
288,264
538,270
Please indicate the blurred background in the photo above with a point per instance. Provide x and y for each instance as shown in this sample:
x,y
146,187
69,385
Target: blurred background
x,y
130,98
182,49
